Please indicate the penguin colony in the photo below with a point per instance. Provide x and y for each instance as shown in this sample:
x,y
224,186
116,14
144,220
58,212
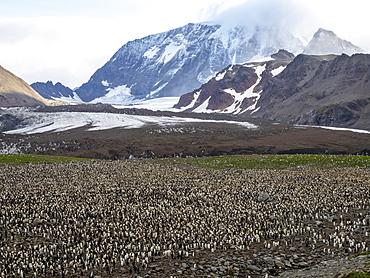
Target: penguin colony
x,y
140,218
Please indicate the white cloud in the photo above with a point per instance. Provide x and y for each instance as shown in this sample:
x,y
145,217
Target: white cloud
x,y
69,49
349,20
66,49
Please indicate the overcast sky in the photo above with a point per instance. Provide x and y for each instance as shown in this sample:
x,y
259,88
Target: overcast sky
x,y
69,40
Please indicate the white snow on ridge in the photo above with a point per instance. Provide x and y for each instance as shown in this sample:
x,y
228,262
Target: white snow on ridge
x,y
249,93
194,101
238,97
170,51
151,52
105,83
277,71
203,107
62,121
71,100
221,75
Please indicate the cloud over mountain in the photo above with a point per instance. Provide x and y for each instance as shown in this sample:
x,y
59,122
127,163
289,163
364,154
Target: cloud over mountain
x,y
272,15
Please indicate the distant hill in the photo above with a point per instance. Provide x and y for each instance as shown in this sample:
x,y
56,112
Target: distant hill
x,y
49,90
16,92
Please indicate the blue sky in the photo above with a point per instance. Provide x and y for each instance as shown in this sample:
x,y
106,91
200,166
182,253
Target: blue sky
x,y
69,40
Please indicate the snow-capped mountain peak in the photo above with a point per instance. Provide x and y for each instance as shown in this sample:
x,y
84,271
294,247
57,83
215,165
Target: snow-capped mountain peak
x,y
327,42
178,61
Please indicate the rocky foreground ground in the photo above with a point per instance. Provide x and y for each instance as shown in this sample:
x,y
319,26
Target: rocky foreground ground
x,y
150,219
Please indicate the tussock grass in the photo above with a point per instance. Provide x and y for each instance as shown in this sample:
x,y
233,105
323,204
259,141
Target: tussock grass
x,y
357,275
279,161
24,158
365,253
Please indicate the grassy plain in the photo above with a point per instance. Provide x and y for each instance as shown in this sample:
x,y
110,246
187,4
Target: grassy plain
x,y
228,162
25,158
278,161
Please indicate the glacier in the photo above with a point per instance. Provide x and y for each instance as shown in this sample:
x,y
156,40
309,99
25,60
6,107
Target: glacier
x,y
39,122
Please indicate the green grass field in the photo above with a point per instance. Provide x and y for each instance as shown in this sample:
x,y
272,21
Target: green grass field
x,y
226,162
278,161
25,158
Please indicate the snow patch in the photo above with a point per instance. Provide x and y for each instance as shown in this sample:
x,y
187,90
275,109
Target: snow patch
x,y
221,75
172,49
203,107
105,83
249,93
277,71
191,105
337,128
71,99
256,110
238,97
193,102
117,95
157,90
151,52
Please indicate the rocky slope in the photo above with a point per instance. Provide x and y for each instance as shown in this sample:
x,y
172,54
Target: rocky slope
x,y
16,92
237,88
325,90
320,90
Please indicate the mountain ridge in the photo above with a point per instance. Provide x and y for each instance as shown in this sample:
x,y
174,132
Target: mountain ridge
x,y
324,90
180,60
53,91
